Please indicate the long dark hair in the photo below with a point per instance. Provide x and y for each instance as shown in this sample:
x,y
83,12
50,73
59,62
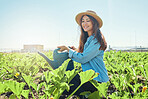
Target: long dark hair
x,y
98,35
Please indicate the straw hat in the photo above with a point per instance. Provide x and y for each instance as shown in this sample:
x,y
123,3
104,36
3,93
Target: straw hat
x,y
91,13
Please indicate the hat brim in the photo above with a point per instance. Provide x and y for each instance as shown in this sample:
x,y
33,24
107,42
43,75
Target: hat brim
x,y
78,18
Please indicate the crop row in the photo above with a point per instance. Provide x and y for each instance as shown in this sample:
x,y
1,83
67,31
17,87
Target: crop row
x,y
27,75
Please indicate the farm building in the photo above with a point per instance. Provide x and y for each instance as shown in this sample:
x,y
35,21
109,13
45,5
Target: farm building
x,y
32,48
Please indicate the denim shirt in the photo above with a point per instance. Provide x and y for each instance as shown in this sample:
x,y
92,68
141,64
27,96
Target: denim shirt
x,y
91,58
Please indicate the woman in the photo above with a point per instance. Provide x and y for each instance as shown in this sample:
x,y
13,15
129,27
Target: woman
x,y
91,49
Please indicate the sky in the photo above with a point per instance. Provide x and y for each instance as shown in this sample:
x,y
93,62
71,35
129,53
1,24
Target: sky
x,y
52,22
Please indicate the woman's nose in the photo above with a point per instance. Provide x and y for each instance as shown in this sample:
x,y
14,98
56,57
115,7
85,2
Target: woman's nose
x,y
85,23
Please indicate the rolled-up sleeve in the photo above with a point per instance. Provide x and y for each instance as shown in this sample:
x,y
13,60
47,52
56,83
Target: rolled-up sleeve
x,y
90,52
71,53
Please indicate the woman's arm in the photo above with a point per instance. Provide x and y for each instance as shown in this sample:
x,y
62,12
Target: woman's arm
x,y
90,52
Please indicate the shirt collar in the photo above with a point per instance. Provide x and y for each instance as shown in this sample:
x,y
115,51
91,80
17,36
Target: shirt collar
x,y
91,36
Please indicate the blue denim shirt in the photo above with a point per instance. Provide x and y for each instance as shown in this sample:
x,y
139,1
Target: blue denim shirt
x,y
91,58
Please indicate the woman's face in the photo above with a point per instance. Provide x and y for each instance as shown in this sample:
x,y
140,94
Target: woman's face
x,y
87,24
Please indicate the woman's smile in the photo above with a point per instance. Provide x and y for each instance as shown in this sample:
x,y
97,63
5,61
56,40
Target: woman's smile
x,y
87,24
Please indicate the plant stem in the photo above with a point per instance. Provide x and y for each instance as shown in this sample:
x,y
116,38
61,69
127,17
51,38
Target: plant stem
x,y
32,93
74,91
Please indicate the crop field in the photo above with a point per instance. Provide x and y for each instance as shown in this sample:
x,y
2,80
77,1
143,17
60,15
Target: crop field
x,y
29,76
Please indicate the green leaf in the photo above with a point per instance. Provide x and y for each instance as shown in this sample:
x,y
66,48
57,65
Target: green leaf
x,y
64,86
12,96
85,93
136,87
71,74
94,95
34,86
84,77
42,97
48,76
40,86
28,79
49,91
87,76
2,87
130,86
15,87
103,89
25,93
146,69
114,96
48,86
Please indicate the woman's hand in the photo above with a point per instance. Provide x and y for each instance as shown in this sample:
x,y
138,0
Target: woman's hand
x,y
72,47
63,48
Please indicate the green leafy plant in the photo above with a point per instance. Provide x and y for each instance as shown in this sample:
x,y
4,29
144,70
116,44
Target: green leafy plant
x,y
128,73
85,77
15,87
